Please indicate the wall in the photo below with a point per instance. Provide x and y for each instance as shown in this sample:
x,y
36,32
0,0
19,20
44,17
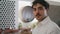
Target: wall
x,y
54,13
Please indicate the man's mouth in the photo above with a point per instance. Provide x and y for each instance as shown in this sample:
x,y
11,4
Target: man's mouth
x,y
38,15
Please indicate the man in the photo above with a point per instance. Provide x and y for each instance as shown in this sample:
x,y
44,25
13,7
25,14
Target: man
x,y
45,25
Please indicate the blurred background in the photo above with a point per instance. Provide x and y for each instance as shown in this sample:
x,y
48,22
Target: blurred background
x,y
54,10
14,13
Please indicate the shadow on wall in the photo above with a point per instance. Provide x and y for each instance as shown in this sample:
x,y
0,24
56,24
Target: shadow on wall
x,y
58,23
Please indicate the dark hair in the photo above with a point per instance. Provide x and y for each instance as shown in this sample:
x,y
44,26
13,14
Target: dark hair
x,y
43,2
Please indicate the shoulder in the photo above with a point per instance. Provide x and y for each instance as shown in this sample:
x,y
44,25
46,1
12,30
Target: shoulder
x,y
52,27
51,24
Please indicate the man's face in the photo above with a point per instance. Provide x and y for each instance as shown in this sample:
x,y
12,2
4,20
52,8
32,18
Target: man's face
x,y
38,11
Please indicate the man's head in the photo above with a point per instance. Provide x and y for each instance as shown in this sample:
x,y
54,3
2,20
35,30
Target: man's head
x,y
40,7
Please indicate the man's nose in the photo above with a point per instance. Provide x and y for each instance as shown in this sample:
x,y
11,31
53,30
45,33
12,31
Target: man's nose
x,y
37,11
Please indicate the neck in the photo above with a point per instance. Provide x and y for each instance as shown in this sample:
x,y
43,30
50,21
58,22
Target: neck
x,y
42,19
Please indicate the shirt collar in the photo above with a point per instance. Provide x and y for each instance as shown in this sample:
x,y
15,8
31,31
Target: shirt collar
x,y
46,20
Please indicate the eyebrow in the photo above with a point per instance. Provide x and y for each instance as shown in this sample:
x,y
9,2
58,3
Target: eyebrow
x,y
40,7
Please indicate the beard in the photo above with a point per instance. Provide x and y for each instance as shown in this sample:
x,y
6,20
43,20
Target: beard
x,y
38,16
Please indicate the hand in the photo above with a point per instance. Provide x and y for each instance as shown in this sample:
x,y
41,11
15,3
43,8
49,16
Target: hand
x,y
1,31
10,31
26,31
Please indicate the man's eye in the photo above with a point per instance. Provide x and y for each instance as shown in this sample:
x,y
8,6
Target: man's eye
x,y
40,8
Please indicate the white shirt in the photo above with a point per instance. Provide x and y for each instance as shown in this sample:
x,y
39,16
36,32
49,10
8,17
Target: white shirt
x,y
46,27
